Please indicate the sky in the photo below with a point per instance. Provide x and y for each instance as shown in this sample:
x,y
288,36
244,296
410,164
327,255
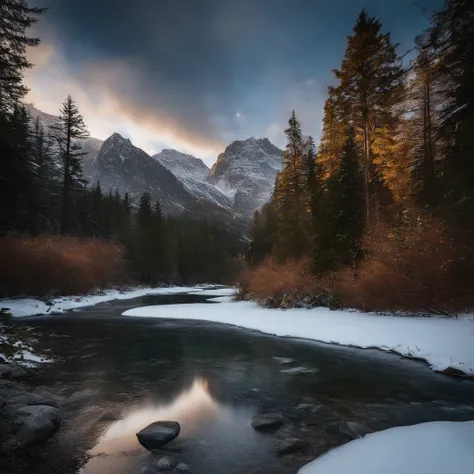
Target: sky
x,y
195,75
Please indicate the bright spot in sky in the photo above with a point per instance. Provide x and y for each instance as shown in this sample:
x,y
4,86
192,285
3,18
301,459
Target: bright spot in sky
x,y
238,115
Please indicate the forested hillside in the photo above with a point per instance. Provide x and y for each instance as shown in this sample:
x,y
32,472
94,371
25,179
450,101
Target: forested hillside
x,y
380,215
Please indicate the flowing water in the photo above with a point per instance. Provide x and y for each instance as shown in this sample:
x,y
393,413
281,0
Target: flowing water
x,y
115,375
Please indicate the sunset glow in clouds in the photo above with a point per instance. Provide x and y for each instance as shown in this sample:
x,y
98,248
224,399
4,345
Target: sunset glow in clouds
x,y
197,75
93,87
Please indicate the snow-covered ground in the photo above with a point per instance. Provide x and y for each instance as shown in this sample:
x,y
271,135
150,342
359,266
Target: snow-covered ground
x,y
443,343
31,307
440,447
16,350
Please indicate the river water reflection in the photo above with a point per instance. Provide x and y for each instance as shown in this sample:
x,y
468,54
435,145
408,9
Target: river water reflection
x,y
116,375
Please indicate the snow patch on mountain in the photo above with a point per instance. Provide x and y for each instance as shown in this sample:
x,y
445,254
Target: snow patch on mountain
x,y
246,173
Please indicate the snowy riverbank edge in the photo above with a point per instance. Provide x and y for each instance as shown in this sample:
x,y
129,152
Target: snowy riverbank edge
x,y
24,307
439,447
446,344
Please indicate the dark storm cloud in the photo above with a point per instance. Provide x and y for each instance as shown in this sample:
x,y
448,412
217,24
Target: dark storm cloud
x,y
199,63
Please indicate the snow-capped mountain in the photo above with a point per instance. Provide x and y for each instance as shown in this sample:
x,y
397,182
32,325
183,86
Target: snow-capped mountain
x,y
123,166
241,180
182,165
246,173
192,172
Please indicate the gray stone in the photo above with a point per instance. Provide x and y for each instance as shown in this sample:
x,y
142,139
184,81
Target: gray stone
x,y
5,371
18,400
182,466
354,430
158,434
290,445
267,422
34,424
11,371
166,463
17,372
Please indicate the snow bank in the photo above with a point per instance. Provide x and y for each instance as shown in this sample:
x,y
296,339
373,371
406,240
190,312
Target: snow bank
x,y
441,447
31,307
215,292
441,342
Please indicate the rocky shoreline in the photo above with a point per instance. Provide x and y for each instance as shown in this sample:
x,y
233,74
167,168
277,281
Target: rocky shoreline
x,y
26,417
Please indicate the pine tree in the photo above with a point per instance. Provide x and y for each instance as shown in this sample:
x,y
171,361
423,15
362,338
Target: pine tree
x,y
262,234
289,197
452,38
17,174
15,18
346,205
71,129
333,136
46,182
370,90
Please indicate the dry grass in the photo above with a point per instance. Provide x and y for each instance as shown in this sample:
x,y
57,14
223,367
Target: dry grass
x,y
431,270
57,265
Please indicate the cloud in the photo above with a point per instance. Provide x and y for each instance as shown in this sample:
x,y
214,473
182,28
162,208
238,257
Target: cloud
x,y
104,92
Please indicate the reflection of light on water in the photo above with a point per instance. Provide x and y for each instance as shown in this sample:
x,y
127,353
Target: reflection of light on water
x,y
192,408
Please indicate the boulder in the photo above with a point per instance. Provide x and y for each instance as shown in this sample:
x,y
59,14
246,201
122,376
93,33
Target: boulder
x,y
12,371
33,423
267,422
18,400
158,434
290,445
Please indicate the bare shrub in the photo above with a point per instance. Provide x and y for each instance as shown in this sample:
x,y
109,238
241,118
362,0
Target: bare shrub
x,y
52,265
422,267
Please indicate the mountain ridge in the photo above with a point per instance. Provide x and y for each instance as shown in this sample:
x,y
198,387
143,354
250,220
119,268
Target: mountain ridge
x,y
240,181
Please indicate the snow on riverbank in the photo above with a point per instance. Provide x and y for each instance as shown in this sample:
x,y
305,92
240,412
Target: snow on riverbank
x,y
428,448
23,307
443,343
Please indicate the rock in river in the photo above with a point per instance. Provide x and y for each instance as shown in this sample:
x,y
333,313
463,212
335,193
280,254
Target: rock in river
x,y
290,445
268,422
35,423
158,434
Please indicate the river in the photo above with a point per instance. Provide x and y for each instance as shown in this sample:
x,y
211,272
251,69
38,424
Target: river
x,y
114,375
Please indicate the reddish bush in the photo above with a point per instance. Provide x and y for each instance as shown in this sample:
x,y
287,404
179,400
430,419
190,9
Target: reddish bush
x,y
53,265
423,267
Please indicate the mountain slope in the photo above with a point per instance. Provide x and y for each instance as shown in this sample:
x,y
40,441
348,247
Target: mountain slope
x,y
120,165
192,172
246,173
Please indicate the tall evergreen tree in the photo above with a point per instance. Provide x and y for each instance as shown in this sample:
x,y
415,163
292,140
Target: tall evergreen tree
x,y
16,16
370,90
452,39
70,130
46,182
289,197
333,136
346,205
